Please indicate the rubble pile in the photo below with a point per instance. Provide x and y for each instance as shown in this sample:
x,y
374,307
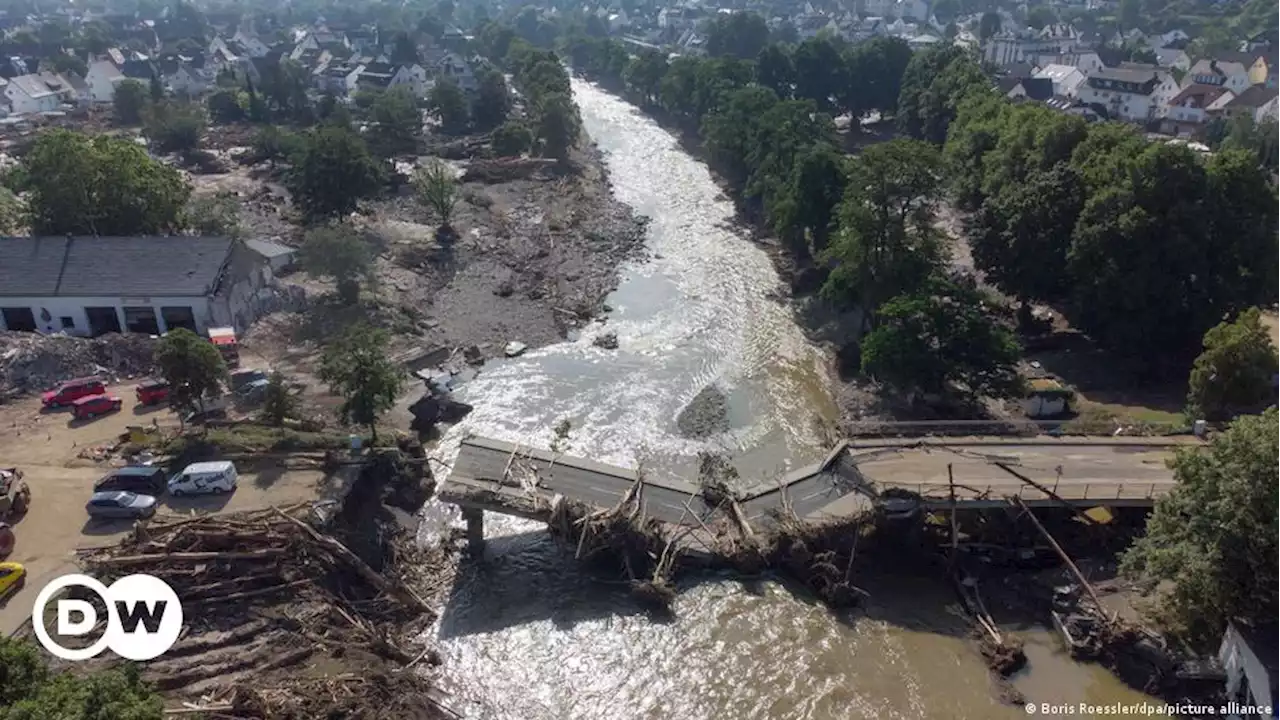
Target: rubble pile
x,y
269,593
30,362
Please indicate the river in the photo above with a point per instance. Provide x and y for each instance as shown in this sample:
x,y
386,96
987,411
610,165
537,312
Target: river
x,y
527,636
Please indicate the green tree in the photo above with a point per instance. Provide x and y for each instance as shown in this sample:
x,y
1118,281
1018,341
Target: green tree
x,y
1040,16
173,127
129,100
493,100
942,339
397,124
437,189
273,144
103,185
813,193
214,215
1131,14
643,75
333,171
278,403
887,243
819,72
357,368
512,139
64,63
874,70
741,34
337,251
558,125
934,84
1021,237
225,106
775,70
155,89
192,366
28,691
1234,373
449,106
1212,540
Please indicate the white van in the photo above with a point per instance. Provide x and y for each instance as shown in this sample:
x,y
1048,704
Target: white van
x,y
204,478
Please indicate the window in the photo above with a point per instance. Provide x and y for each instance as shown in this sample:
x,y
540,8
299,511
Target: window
x,y
67,322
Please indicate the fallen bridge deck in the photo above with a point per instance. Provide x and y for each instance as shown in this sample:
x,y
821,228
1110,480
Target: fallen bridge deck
x,y
984,474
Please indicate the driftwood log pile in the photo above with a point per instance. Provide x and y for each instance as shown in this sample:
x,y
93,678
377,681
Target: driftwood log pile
x,y
283,619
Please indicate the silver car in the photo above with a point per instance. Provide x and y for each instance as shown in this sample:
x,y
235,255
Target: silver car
x,y
120,504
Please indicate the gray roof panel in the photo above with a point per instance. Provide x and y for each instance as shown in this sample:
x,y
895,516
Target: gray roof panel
x,y
112,266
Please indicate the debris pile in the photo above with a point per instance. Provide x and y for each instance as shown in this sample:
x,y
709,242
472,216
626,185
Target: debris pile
x,y
286,620
30,362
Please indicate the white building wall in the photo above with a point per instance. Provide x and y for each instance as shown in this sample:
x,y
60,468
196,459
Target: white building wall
x,y
58,308
24,104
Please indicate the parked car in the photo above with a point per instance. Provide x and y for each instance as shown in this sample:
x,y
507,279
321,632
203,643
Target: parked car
x,y
12,577
152,392
141,479
120,504
95,405
72,390
205,478
241,378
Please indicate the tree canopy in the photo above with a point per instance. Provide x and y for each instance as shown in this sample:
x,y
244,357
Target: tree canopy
x,y
741,34
357,368
1234,373
192,366
333,171
29,691
449,106
337,251
1213,538
102,185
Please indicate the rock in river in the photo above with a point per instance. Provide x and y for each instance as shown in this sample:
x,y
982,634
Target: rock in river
x,y
515,348
608,340
705,415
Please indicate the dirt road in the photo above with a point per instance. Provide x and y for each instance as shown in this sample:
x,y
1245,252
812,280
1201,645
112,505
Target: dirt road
x,y
47,446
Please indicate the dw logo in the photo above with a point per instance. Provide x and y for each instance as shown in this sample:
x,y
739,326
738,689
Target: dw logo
x,y
144,617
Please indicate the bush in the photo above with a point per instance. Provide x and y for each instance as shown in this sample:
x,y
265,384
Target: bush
x,y
512,139
274,144
174,127
28,691
227,106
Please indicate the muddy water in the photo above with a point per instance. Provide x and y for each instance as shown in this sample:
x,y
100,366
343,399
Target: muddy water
x,y
528,636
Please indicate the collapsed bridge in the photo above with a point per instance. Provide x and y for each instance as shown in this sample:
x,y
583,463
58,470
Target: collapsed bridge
x,y
900,475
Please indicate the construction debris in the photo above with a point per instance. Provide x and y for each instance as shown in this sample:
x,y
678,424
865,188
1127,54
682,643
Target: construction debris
x,y
292,615
31,362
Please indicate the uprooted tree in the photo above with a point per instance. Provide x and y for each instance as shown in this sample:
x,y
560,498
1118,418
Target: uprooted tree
x,y
357,368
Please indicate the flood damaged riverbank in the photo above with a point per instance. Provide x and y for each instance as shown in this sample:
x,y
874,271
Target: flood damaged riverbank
x,y
527,634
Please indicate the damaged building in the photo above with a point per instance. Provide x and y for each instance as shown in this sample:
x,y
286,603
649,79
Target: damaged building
x,y
88,286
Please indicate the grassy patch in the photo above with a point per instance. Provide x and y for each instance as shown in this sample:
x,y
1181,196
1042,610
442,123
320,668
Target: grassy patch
x,y
1093,418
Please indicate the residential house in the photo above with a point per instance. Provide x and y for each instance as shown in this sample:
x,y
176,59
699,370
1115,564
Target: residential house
x,y
1188,110
1087,62
1266,69
1256,101
1009,46
446,64
339,79
1066,79
1173,58
363,40
1234,76
250,43
1038,89
321,39
385,76
103,77
1249,657
37,93
1122,93
95,285
187,80
899,9
1168,86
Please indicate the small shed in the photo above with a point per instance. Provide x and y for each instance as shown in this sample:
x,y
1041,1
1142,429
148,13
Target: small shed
x,y
1046,397
278,257
1249,657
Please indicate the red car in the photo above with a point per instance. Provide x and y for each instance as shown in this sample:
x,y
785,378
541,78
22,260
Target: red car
x,y
69,392
152,392
95,405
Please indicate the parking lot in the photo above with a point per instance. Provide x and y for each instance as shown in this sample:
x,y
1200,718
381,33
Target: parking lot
x,y
56,454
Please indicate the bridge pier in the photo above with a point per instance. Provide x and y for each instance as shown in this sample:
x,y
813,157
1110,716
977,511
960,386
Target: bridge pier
x,y
475,529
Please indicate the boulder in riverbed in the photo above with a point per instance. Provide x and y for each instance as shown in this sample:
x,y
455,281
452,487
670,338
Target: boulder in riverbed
x,y
607,340
515,349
